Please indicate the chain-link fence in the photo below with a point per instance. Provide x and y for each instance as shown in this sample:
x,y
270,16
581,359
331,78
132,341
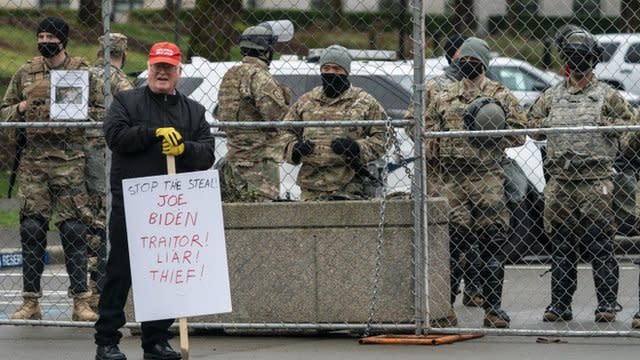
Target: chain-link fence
x,y
542,229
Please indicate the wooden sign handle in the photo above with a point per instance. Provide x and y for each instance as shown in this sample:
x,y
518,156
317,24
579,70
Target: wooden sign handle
x,y
182,322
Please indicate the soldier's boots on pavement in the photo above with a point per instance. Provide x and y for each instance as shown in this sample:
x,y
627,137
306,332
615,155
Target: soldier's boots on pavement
x,y
605,313
472,300
109,352
557,313
81,309
635,323
30,310
496,319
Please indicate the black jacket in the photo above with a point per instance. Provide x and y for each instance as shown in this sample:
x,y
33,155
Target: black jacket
x,y
130,126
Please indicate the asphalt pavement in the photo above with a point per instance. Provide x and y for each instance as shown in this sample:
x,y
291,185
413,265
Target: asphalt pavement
x,y
38,343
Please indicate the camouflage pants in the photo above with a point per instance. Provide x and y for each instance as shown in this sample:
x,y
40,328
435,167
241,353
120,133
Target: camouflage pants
x,y
248,181
48,184
578,204
476,198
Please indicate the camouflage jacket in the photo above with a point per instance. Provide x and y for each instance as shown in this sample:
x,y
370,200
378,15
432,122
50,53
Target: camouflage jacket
x,y
445,111
431,89
248,92
325,170
614,110
63,143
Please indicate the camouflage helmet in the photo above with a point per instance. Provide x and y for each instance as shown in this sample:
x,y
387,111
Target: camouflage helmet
x,y
117,41
485,113
582,42
259,37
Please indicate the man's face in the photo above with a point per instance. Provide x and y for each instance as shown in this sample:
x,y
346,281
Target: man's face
x,y
333,69
163,77
45,37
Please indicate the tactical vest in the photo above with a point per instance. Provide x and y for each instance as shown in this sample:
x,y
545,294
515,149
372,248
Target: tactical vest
x,y
38,96
459,150
237,103
579,154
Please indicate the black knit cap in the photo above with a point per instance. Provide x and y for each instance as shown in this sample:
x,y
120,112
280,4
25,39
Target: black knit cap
x,y
55,26
452,45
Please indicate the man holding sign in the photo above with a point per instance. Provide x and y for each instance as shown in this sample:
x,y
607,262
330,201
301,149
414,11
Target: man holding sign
x,y
142,127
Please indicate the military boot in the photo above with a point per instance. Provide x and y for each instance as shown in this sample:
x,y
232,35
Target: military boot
x,y
497,319
493,259
635,323
605,273
30,310
94,299
564,275
81,309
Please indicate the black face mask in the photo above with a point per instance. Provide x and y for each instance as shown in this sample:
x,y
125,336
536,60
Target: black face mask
x,y
470,69
49,49
579,64
334,85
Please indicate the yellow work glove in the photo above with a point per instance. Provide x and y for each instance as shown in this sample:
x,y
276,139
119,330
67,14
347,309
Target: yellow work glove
x,y
169,149
169,134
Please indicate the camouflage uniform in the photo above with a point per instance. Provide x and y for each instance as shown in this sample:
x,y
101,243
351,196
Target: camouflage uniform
x,y
579,194
51,174
465,255
94,149
325,174
251,170
431,90
473,180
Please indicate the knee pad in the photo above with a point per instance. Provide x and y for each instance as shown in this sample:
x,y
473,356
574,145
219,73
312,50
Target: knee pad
x,y
73,230
32,228
599,241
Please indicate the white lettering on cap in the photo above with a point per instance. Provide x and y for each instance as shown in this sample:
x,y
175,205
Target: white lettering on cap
x,y
164,52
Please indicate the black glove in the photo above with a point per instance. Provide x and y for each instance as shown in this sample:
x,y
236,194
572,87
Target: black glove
x,y
347,147
302,148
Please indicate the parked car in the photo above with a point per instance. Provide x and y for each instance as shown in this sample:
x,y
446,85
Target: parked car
x,y
620,63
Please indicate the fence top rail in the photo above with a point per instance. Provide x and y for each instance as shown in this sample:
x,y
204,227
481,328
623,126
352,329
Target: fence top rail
x,y
224,125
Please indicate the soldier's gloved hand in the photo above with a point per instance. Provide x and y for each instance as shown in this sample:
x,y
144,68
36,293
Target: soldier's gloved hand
x,y
169,134
287,93
302,148
345,146
170,149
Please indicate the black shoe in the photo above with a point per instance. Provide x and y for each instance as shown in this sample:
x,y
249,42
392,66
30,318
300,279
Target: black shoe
x,y
556,313
109,352
161,351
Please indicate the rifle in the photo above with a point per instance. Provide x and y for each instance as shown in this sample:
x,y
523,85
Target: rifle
x,y
21,143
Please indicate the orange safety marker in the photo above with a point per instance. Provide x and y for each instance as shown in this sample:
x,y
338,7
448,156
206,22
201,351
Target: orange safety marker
x,y
417,339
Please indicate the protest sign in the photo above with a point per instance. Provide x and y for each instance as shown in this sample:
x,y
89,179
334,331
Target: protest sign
x,y
176,245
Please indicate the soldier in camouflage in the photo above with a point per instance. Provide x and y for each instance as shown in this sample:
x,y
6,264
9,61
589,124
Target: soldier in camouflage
x,y
248,92
465,256
472,174
578,208
333,158
94,149
52,173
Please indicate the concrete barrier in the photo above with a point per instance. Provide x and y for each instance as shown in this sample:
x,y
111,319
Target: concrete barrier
x,y
314,262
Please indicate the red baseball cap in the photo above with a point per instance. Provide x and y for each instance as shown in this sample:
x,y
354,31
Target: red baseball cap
x,y
165,52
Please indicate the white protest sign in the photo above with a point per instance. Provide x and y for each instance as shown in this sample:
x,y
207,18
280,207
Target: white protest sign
x,y
176,245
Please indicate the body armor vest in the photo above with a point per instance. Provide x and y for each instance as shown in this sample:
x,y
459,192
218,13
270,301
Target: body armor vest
x,y
237,103
583,154
38,96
